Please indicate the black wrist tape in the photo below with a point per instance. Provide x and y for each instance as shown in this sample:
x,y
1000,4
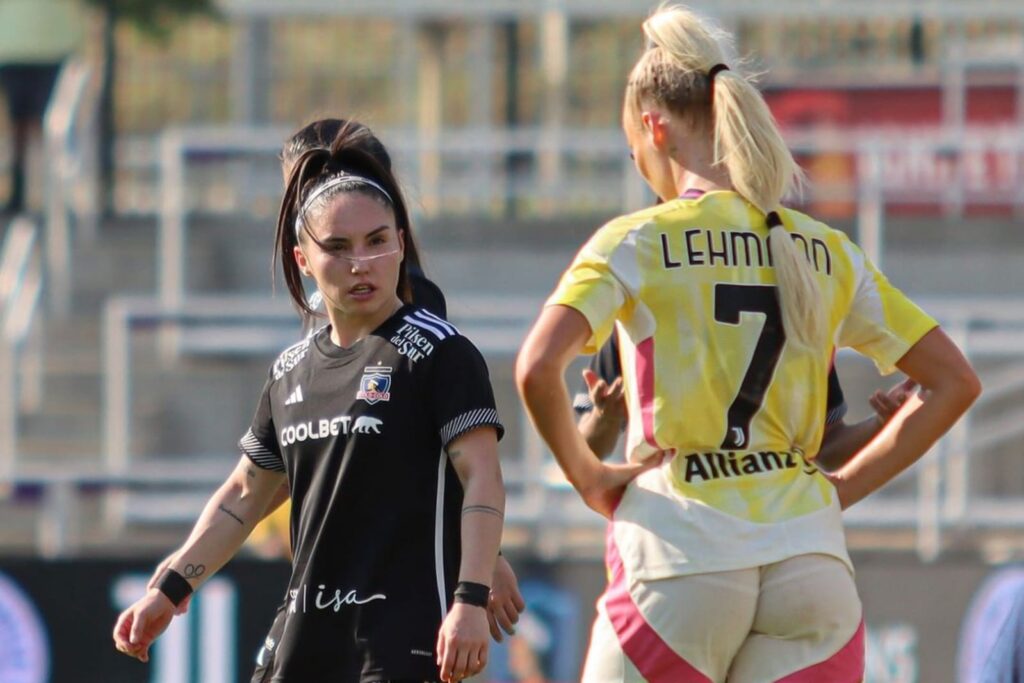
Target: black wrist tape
x,y
174,586
475,594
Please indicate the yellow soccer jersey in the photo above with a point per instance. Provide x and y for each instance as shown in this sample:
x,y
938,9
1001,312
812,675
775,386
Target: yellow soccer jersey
x,y
707,368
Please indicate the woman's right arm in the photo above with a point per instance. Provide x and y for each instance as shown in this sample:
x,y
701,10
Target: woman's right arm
x,y
937,365
276,501
228,518
556,338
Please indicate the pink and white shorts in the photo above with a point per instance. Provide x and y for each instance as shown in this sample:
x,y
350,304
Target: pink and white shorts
x,y
794,621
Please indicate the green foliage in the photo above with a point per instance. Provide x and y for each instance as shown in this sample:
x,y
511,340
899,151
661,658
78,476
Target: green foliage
x,y
155,17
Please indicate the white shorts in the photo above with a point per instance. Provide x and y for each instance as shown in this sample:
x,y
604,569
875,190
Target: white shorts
x,y
794,621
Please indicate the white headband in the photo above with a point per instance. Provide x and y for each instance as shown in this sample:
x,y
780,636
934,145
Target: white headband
x,y
337,181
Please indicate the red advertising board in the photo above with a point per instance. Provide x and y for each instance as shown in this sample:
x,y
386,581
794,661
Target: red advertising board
x,y
926,165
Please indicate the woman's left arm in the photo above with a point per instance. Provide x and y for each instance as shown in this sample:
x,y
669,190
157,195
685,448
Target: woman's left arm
x,y
463,640
940,368
474,455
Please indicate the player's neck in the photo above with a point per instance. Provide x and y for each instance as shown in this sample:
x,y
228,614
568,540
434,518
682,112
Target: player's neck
x,y
348,329
703,179
693,168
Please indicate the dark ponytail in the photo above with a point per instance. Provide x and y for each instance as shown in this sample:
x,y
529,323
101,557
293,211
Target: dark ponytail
x,y
322,133
311,169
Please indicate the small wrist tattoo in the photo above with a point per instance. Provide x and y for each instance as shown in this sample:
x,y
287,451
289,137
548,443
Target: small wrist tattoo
x,y
193,571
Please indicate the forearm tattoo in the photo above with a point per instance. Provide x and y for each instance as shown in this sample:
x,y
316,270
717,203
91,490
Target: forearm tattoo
x,y
486,509
454,454
250,472
231,514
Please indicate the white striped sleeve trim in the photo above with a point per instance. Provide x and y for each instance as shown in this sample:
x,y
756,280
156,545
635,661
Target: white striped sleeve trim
x,y
429,317
468,421
437,331
836,414
259,453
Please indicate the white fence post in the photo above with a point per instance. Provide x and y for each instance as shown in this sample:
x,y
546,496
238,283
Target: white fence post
x,y
871,204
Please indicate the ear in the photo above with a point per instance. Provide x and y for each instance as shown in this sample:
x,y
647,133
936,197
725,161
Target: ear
x,y
300,259
656,128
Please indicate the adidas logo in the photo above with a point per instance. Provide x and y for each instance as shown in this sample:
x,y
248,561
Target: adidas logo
x,y
294,397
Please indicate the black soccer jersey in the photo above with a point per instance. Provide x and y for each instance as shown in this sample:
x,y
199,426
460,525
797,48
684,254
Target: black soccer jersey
x,y
376,505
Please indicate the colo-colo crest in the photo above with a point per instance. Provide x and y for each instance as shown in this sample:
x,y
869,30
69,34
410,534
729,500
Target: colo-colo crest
x,y
375,386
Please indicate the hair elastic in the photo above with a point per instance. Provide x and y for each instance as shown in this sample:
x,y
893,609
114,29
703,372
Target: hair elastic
x,y
715,70
712,72
333,182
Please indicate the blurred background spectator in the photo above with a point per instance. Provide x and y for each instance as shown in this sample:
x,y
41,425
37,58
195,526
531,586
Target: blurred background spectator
x,y
36,38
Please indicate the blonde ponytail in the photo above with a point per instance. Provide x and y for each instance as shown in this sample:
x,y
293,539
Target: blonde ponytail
x,y
677,72
800,298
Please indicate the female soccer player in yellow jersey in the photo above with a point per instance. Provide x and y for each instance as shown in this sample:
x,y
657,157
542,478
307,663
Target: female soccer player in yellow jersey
x,y
726,553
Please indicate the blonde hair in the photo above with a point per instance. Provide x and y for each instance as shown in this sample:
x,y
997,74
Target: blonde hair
x,y
675,72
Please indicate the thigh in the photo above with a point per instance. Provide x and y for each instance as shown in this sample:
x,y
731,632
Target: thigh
x,y
808,626
684,629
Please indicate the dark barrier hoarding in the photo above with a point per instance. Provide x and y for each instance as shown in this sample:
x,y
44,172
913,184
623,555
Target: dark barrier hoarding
x,y
76,604
56,619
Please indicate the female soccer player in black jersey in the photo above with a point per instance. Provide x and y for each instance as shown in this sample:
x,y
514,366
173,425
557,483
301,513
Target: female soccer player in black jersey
x,y
383,422
506,602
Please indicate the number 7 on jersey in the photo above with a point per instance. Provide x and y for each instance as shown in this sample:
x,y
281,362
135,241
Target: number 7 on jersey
x,y
731,300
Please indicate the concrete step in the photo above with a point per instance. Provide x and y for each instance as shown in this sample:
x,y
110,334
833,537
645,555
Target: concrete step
x,y
85,385
51,423
75,448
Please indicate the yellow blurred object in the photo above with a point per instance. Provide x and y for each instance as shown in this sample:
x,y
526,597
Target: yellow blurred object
x,y
271,538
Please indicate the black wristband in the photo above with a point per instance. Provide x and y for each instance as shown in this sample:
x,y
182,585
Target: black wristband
x,y
475,594
174,586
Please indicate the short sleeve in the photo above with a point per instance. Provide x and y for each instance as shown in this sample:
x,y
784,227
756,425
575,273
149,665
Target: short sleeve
x,y
260,442
460,394
882,323
835,405
592,286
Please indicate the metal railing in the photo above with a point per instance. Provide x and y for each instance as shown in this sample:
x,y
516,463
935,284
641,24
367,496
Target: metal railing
x,y
940,499
71,136
890,166
500,9
241,325
943,498
21,283
267,326
416,157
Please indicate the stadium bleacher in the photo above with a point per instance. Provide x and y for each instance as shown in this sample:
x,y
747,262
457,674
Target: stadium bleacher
x,y
155,323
